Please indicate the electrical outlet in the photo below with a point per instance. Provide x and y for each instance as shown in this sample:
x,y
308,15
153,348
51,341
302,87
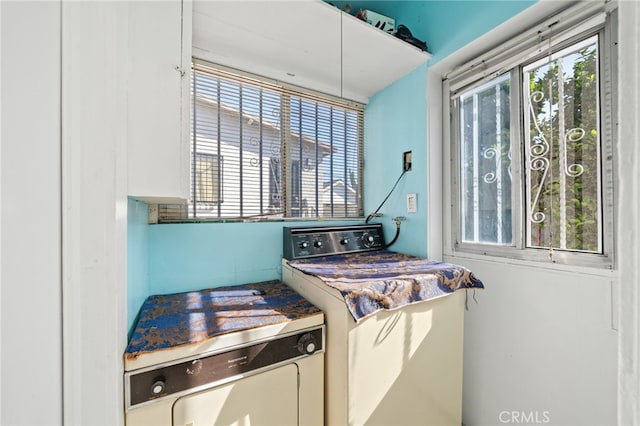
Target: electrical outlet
x,y
412,203
406,161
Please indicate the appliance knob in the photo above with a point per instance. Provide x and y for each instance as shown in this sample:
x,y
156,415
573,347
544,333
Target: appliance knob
x,y
307,344
303,245
317,243
158,386
368,239
344,241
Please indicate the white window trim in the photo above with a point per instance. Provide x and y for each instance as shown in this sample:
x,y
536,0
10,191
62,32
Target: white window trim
x,y
574,22
181,213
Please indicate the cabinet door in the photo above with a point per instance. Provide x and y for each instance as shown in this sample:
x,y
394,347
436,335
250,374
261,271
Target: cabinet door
x,y
158,154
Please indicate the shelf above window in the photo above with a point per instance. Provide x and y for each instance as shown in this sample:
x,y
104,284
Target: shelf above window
x,y
308,43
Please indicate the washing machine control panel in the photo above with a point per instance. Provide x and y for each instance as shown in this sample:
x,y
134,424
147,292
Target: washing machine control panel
x,y
304,242
182,377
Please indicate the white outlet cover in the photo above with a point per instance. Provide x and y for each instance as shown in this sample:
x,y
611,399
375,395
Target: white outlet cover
x,y
412,203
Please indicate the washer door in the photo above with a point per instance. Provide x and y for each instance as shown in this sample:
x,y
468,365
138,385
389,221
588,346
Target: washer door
x,y
269,398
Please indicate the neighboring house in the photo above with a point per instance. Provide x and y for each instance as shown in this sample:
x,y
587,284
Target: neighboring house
x,y
257,156
344,198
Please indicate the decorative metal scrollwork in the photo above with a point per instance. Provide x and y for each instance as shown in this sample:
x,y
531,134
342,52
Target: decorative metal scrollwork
x,y
492,176
573,135
490,153
538,160
539,150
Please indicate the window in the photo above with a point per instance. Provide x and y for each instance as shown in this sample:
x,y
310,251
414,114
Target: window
x,y
282,148
532,143
208,179
485,162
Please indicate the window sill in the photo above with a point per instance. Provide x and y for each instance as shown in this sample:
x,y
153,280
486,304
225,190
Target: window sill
x,y
584,263
263,220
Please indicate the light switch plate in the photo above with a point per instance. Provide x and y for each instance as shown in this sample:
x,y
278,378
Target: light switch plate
x,y
412,203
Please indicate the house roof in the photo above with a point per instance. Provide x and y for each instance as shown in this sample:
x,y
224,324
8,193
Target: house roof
x,y
255,120
335,182
330,194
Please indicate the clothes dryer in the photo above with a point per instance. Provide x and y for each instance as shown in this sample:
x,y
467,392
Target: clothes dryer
x,y
251,354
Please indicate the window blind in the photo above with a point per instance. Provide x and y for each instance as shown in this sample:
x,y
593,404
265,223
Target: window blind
x,y
261,149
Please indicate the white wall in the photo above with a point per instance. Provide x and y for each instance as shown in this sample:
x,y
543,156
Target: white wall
x,y
63,222
94,119
539,341
30,296
559,343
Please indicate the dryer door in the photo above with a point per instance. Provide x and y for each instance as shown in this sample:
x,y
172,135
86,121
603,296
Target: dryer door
x,y
268,398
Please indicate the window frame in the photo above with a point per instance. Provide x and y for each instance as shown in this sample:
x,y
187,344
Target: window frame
x,y
290,210
564,29
216,178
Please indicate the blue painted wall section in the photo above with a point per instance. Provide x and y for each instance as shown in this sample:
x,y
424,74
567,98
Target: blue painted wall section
x,y
449,25
191,256
446,25
395,122
395,118
137,258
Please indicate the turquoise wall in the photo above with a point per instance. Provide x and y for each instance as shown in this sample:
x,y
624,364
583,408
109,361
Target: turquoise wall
x,y
137,258
191,256
395,118
182,257
449,25
395,122
446,25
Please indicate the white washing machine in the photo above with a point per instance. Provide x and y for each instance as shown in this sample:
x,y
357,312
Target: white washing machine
x,y
394,367
242,355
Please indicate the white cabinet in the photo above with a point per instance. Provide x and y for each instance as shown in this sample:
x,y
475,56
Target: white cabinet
x,y
308,43
159,60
